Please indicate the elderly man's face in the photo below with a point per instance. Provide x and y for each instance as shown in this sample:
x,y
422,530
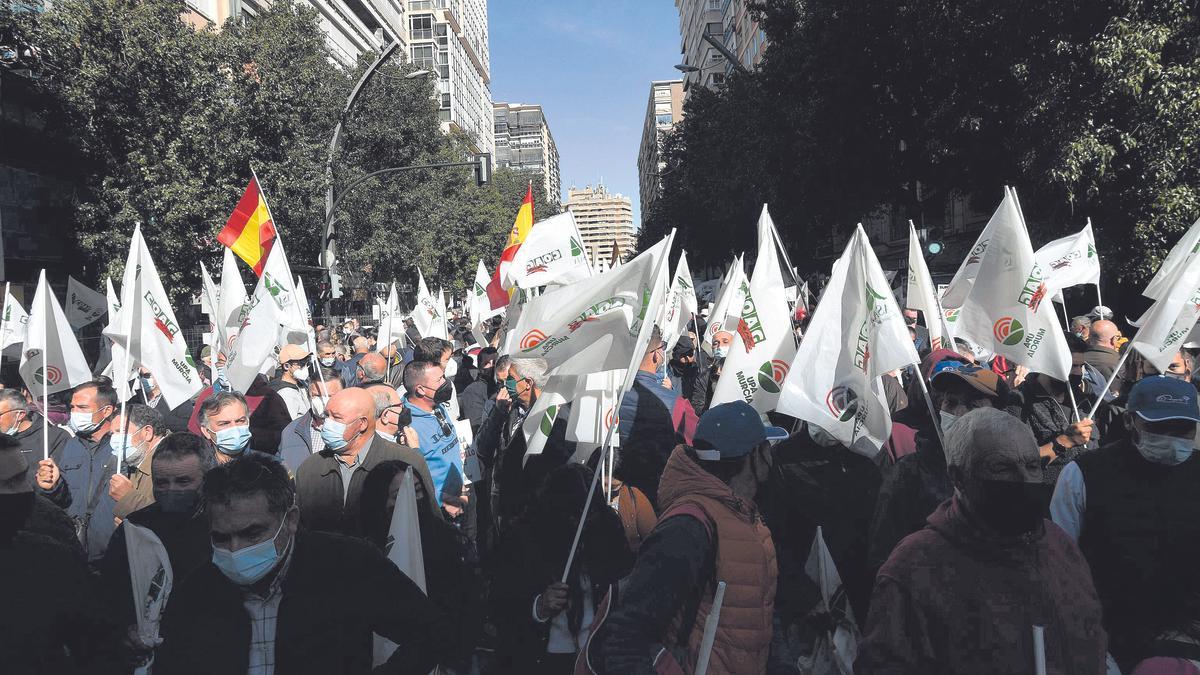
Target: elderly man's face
x,y
722,338
959,398
999,477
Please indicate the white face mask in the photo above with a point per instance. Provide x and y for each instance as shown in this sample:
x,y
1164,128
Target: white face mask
x,y
451,369
301,373
318,406
328,361
1163,449
81,422
947,422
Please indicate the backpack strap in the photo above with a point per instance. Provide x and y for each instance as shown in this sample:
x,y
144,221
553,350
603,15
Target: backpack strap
x,y
708,572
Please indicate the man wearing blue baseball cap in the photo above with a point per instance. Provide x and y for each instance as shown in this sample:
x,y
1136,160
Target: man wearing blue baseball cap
x,y
1133,507
709,531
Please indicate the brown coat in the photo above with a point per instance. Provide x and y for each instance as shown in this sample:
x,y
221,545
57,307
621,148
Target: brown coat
x,y
142,494
745,561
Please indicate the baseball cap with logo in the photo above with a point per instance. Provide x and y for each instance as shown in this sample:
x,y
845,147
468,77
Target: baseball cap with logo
x,y
982,380
732,430
1159,398
1100,312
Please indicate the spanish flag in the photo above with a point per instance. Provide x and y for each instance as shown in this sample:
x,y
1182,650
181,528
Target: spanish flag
x,y
249,232
498,289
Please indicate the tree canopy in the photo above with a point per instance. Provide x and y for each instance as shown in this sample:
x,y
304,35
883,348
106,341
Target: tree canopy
x,y
1088,109
170,121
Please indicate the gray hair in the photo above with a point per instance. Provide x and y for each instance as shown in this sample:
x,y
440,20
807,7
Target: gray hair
x,y
1081,321
383,400
534,369
14,397
213,405
984,432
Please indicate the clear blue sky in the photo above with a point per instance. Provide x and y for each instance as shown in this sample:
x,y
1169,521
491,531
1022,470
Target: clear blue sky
x,y
589,65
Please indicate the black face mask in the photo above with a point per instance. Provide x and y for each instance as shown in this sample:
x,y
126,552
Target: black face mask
x,y
444,392
487,373
1076,381
176,501
1009,507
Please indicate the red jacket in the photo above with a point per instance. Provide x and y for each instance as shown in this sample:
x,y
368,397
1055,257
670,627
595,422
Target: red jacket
x,y
955,598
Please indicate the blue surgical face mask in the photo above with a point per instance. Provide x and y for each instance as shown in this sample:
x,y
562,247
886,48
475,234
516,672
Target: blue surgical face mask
x,y
233,440
1164,449
248,565
82,423
333,433
720,352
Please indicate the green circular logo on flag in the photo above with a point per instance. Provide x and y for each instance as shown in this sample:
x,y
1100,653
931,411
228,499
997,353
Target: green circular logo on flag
x,y
1009,331
771,375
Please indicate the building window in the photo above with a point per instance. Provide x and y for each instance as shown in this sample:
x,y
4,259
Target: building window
x,y
422,27
662,119
418,5
445,101
422,56
714,28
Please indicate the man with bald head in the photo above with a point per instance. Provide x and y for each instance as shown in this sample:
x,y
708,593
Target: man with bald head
x,y
970,587
1102,347
372,369
329,483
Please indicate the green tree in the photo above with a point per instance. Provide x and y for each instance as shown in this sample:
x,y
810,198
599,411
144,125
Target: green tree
x,y
1089,109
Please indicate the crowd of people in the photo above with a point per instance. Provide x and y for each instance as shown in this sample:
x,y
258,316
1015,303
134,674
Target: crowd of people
x,y
1000,527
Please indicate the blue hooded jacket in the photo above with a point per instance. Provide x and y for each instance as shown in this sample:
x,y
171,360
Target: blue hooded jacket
x,y
442,450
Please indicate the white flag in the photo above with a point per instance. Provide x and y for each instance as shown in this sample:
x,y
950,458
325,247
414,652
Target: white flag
x,y
539,423
1182,256
116,356
922,294
403,548
552,253
730,299
856,335
594,411
15,321
763,346
565,388
1070,261
960,286
480,307
1166,327
83,305
1003,311
680,306
49,339
391,320
593,324
148,330
266,320
233,298
151,579
836,648
427,317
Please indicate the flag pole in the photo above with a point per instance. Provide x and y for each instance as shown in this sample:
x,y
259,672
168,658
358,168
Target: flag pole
x,y
2,308
1112,378
45,376
933,415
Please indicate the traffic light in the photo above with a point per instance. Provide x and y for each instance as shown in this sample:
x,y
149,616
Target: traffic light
x,y
483,168
335,285
933,242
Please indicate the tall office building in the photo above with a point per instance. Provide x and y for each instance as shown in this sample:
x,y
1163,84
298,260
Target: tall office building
x,y
524,143
663,111
351,26
603,219
727,21
450,38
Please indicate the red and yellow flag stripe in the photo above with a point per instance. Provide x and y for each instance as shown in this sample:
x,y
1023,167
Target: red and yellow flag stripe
x,y
249,232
